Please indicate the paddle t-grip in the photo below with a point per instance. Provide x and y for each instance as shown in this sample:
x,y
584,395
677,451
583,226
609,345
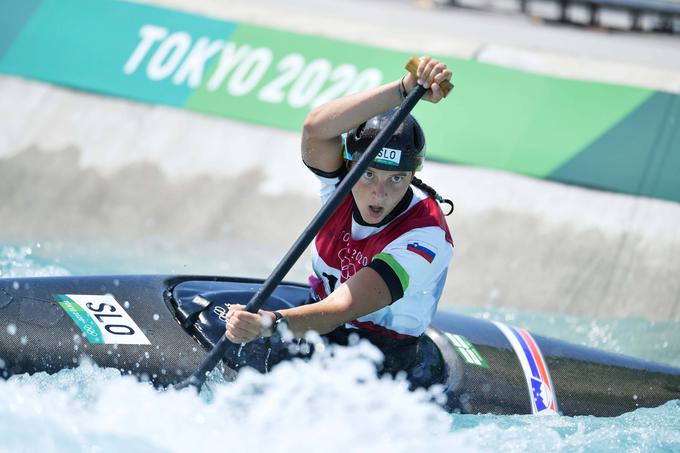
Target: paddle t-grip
x,y
412,67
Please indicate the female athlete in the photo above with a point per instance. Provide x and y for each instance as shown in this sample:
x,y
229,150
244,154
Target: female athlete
x,y
381,260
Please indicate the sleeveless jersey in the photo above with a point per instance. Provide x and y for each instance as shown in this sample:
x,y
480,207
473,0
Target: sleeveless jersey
x,y
411,253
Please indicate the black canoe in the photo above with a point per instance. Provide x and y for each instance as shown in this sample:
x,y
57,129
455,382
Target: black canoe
x,y
161,327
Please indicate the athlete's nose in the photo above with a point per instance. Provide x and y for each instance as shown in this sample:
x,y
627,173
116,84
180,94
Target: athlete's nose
x,y
379,190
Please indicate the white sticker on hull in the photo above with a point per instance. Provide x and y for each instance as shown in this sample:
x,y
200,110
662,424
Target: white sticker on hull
x,y
101,319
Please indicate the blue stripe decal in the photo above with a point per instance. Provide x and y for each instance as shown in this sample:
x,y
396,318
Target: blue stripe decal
x,y
527,353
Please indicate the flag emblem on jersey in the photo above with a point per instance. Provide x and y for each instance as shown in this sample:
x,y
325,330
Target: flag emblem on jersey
x,y
421,249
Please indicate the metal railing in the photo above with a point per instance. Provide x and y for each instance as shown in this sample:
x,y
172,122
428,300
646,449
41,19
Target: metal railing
x,y
642,15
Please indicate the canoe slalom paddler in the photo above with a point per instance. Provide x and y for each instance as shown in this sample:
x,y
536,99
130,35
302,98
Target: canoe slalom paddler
x,y
381,259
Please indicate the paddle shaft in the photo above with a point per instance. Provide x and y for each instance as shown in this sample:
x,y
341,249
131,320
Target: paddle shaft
x,y
277,275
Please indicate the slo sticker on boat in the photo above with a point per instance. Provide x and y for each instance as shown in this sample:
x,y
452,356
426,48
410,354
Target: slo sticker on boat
x,y
101,319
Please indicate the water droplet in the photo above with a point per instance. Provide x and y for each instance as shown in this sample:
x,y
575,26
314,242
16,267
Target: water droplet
x,y
156,317
635,397
2,363
24,340
11,329
116,282
126,304
15,285
38,245
146,354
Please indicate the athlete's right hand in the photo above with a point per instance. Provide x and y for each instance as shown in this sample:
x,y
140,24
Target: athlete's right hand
x,y
243,326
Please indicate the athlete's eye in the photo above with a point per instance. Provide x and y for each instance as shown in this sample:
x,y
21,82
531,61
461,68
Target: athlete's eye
x,y
396,179
368,174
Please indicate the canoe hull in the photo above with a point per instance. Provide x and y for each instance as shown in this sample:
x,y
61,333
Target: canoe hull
x,y
155,327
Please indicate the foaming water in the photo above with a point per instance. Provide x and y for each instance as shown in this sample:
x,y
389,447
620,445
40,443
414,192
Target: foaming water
x,y
330,404
335,402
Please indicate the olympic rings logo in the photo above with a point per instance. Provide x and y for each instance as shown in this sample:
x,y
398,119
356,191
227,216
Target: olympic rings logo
x,y
221,312
90,330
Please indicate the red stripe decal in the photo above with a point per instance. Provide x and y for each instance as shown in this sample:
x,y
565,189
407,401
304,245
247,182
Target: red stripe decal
x,y
539,361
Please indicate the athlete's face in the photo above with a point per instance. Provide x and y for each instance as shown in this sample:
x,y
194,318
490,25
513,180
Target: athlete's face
x,y
379,191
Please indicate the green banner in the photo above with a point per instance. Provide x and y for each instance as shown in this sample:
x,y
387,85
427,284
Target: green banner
x,y
599,135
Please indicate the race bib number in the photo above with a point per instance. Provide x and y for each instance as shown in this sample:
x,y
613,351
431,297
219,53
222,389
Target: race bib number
x,y
101,319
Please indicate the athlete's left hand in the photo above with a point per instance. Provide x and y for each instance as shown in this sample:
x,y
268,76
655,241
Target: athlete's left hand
x,y
243,326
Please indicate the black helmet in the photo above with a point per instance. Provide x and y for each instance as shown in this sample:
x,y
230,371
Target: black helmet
x,y
405,150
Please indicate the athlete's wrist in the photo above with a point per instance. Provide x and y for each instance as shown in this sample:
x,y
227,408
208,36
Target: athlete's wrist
x,y
268,320
276,319
408,83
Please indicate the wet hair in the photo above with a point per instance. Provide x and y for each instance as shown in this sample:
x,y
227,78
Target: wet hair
x,y
433,193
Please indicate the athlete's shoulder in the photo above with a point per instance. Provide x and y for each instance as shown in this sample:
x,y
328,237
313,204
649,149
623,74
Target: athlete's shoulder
x,y
420,255
428,242
329,181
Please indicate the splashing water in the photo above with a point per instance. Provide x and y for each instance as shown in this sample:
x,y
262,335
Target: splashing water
x,y
94,408
21,262
334,403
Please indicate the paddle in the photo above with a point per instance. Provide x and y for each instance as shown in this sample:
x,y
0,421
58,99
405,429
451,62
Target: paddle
x,y
198,377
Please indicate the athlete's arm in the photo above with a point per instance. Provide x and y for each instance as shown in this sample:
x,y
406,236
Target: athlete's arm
x,y
324,126
364,293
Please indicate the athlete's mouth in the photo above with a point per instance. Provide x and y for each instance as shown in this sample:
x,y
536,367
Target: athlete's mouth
x,y
375,211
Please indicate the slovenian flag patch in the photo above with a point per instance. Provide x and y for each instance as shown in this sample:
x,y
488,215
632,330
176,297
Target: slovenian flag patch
x,y
422,250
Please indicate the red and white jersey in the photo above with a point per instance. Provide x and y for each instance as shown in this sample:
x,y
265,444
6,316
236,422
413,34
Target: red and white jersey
x,y
411,253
